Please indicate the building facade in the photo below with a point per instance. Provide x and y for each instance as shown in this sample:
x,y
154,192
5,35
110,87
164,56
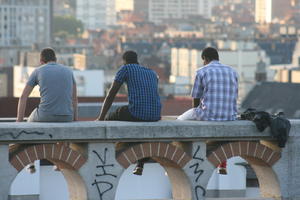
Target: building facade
x,y
141,7
24,22
96,14
263,11
268,10
242,56
160,10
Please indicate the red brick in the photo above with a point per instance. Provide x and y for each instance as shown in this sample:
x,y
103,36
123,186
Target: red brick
x,y
65,153
184,161
138,151
23,157
267,154
236,148
15,162
162,149
154,148
178,155
244,147
40,151
31,153
252,147
259,151
213,159
170,152
146,149
80,162
77,157
227,150
276,156
130,155
219,152
72,158
57,151
123,161
48,151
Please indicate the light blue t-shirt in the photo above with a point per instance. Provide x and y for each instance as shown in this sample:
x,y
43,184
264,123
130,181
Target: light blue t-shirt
x,y
56,88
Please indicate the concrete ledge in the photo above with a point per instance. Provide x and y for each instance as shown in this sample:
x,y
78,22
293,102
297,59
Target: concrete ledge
x,y
134,131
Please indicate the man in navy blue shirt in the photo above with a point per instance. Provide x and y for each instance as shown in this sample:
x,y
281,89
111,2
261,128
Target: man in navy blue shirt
x,y
142,83
144,101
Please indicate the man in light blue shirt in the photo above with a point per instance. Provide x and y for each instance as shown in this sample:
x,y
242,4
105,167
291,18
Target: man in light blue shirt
x,y
215,91
57,89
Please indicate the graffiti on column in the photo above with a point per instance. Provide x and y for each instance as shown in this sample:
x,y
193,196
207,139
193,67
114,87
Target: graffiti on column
x,y
103,171
199,190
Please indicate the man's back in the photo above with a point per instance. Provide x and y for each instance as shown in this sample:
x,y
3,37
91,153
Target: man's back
x,y
143,97
217,87
56,84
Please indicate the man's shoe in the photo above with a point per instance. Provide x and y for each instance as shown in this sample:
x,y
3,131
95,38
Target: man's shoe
x,y
56,168
31,168
138,171
222,170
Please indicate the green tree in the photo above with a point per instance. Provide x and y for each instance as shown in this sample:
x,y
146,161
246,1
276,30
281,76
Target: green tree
x,y
67,25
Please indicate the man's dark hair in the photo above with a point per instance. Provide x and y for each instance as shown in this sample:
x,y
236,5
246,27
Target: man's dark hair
x,y
209,54
130,57
48,55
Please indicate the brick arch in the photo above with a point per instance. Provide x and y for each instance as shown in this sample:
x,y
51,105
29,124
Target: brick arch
x,y
167,151
244,149
260,157
67,159
62,154
172,158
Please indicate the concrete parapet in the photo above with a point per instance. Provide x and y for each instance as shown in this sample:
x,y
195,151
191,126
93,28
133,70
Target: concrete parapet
x,y
134,131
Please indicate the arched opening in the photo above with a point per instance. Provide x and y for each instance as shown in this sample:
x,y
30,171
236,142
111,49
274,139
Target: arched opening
x,y
43,182
45,157
239,182
171,159
242,158
153,184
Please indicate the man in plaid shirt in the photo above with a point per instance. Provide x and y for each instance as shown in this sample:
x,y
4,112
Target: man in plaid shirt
x,y
215,93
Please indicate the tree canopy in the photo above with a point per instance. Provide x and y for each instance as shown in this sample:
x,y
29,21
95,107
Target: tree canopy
x,y
64,26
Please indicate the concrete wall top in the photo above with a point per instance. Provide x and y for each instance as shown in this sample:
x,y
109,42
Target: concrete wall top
x,y
12,132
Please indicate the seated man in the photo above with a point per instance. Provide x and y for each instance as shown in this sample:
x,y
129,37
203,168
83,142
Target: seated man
x,y
142,83
215,92
58,93
57,89
144,101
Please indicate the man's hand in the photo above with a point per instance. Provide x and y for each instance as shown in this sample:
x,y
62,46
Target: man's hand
x,y
196,102
22,102
109,99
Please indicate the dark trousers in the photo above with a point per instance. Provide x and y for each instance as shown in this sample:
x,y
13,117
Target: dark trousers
x,y
122,114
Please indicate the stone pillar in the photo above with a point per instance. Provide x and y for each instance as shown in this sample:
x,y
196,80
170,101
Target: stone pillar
x,y
288,168
101,172
198,170
7,172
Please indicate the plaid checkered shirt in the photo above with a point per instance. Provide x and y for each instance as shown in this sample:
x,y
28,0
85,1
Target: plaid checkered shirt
x,y
142,85
216,86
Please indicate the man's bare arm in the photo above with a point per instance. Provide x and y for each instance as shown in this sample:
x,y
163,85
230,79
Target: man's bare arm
x,y
196,102
75,102
109,99
22,102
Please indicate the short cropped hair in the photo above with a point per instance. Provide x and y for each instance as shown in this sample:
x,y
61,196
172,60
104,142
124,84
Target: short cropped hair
x,y
209,54
130,57
48,55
